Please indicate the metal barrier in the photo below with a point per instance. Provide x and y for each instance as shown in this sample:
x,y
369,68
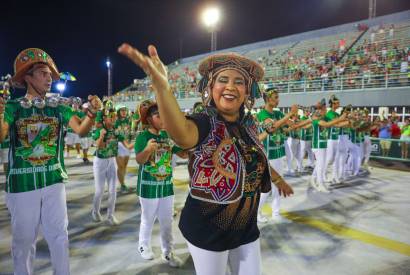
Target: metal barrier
x,y
342,83
390,149
365,81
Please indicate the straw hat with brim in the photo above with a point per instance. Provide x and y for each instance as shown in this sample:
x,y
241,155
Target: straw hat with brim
x,y
118,108
213,64
144,108
25,61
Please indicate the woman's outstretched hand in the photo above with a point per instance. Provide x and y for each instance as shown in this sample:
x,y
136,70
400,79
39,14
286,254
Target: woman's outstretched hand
x,y
151,64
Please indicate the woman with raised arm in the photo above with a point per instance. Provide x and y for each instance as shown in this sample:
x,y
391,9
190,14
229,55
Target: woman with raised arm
x,y
228,168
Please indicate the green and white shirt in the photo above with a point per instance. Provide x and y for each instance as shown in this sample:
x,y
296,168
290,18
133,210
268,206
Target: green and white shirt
x,y
155,176
333,131
319,138
274,144
111,140
37,146
123,127
354,136
305,134
99,117
78,113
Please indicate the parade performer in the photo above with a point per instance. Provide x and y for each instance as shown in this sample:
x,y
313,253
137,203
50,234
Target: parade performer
x,y
72,139
319,144
153,151
367,144
34,188
306,142
123,126
332,150
228,168
271,121
87,140
104,165
4,146
293,142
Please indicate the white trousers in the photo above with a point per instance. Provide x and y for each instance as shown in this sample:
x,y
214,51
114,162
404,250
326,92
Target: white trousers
x,y
319,172
354,160
105,170
294,146
341,156
367,149
358,159
277,165
163,210
288,153
331,155
306,147
243,260
44,207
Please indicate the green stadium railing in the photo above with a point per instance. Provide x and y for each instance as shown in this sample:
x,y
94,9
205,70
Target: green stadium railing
x,y
395,151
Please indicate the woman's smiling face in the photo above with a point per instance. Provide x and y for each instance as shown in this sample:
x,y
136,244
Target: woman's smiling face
x,y
228,92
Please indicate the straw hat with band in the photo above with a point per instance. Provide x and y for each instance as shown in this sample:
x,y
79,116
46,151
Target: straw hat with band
x,y
26,59
214,64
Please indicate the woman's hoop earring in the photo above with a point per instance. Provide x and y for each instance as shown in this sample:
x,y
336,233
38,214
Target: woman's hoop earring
x,y
249,102
206,96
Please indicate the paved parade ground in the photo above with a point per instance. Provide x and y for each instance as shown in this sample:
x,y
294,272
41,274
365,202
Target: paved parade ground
x,y
361,227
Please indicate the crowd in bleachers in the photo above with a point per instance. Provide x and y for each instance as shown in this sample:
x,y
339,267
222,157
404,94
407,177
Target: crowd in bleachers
x,y
362,58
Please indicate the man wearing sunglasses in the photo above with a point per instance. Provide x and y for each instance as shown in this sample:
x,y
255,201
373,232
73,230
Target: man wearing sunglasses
x,y
34,188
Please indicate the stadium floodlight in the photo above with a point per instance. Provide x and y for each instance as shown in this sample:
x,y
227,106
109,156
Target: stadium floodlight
x,y
211,16
60,87
109,75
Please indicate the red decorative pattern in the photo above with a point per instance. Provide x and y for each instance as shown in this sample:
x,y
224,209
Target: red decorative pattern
x,y
217,166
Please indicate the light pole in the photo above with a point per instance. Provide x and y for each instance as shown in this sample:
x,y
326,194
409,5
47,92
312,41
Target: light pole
x,y
109,73
372,9
210,18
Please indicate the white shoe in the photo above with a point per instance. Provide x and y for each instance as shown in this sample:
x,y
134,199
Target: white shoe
x,y
146,253
322,188
78,156
313,183
96,216
173,261
335,181
279,219
262,218
112,220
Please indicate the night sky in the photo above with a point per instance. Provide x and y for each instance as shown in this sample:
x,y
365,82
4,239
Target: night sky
x,y
80,34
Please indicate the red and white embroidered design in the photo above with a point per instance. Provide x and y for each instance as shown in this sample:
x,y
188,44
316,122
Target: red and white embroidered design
x,y
217,164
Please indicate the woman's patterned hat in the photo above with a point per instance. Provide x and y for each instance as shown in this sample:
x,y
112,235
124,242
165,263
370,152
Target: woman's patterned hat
x,y
251,70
